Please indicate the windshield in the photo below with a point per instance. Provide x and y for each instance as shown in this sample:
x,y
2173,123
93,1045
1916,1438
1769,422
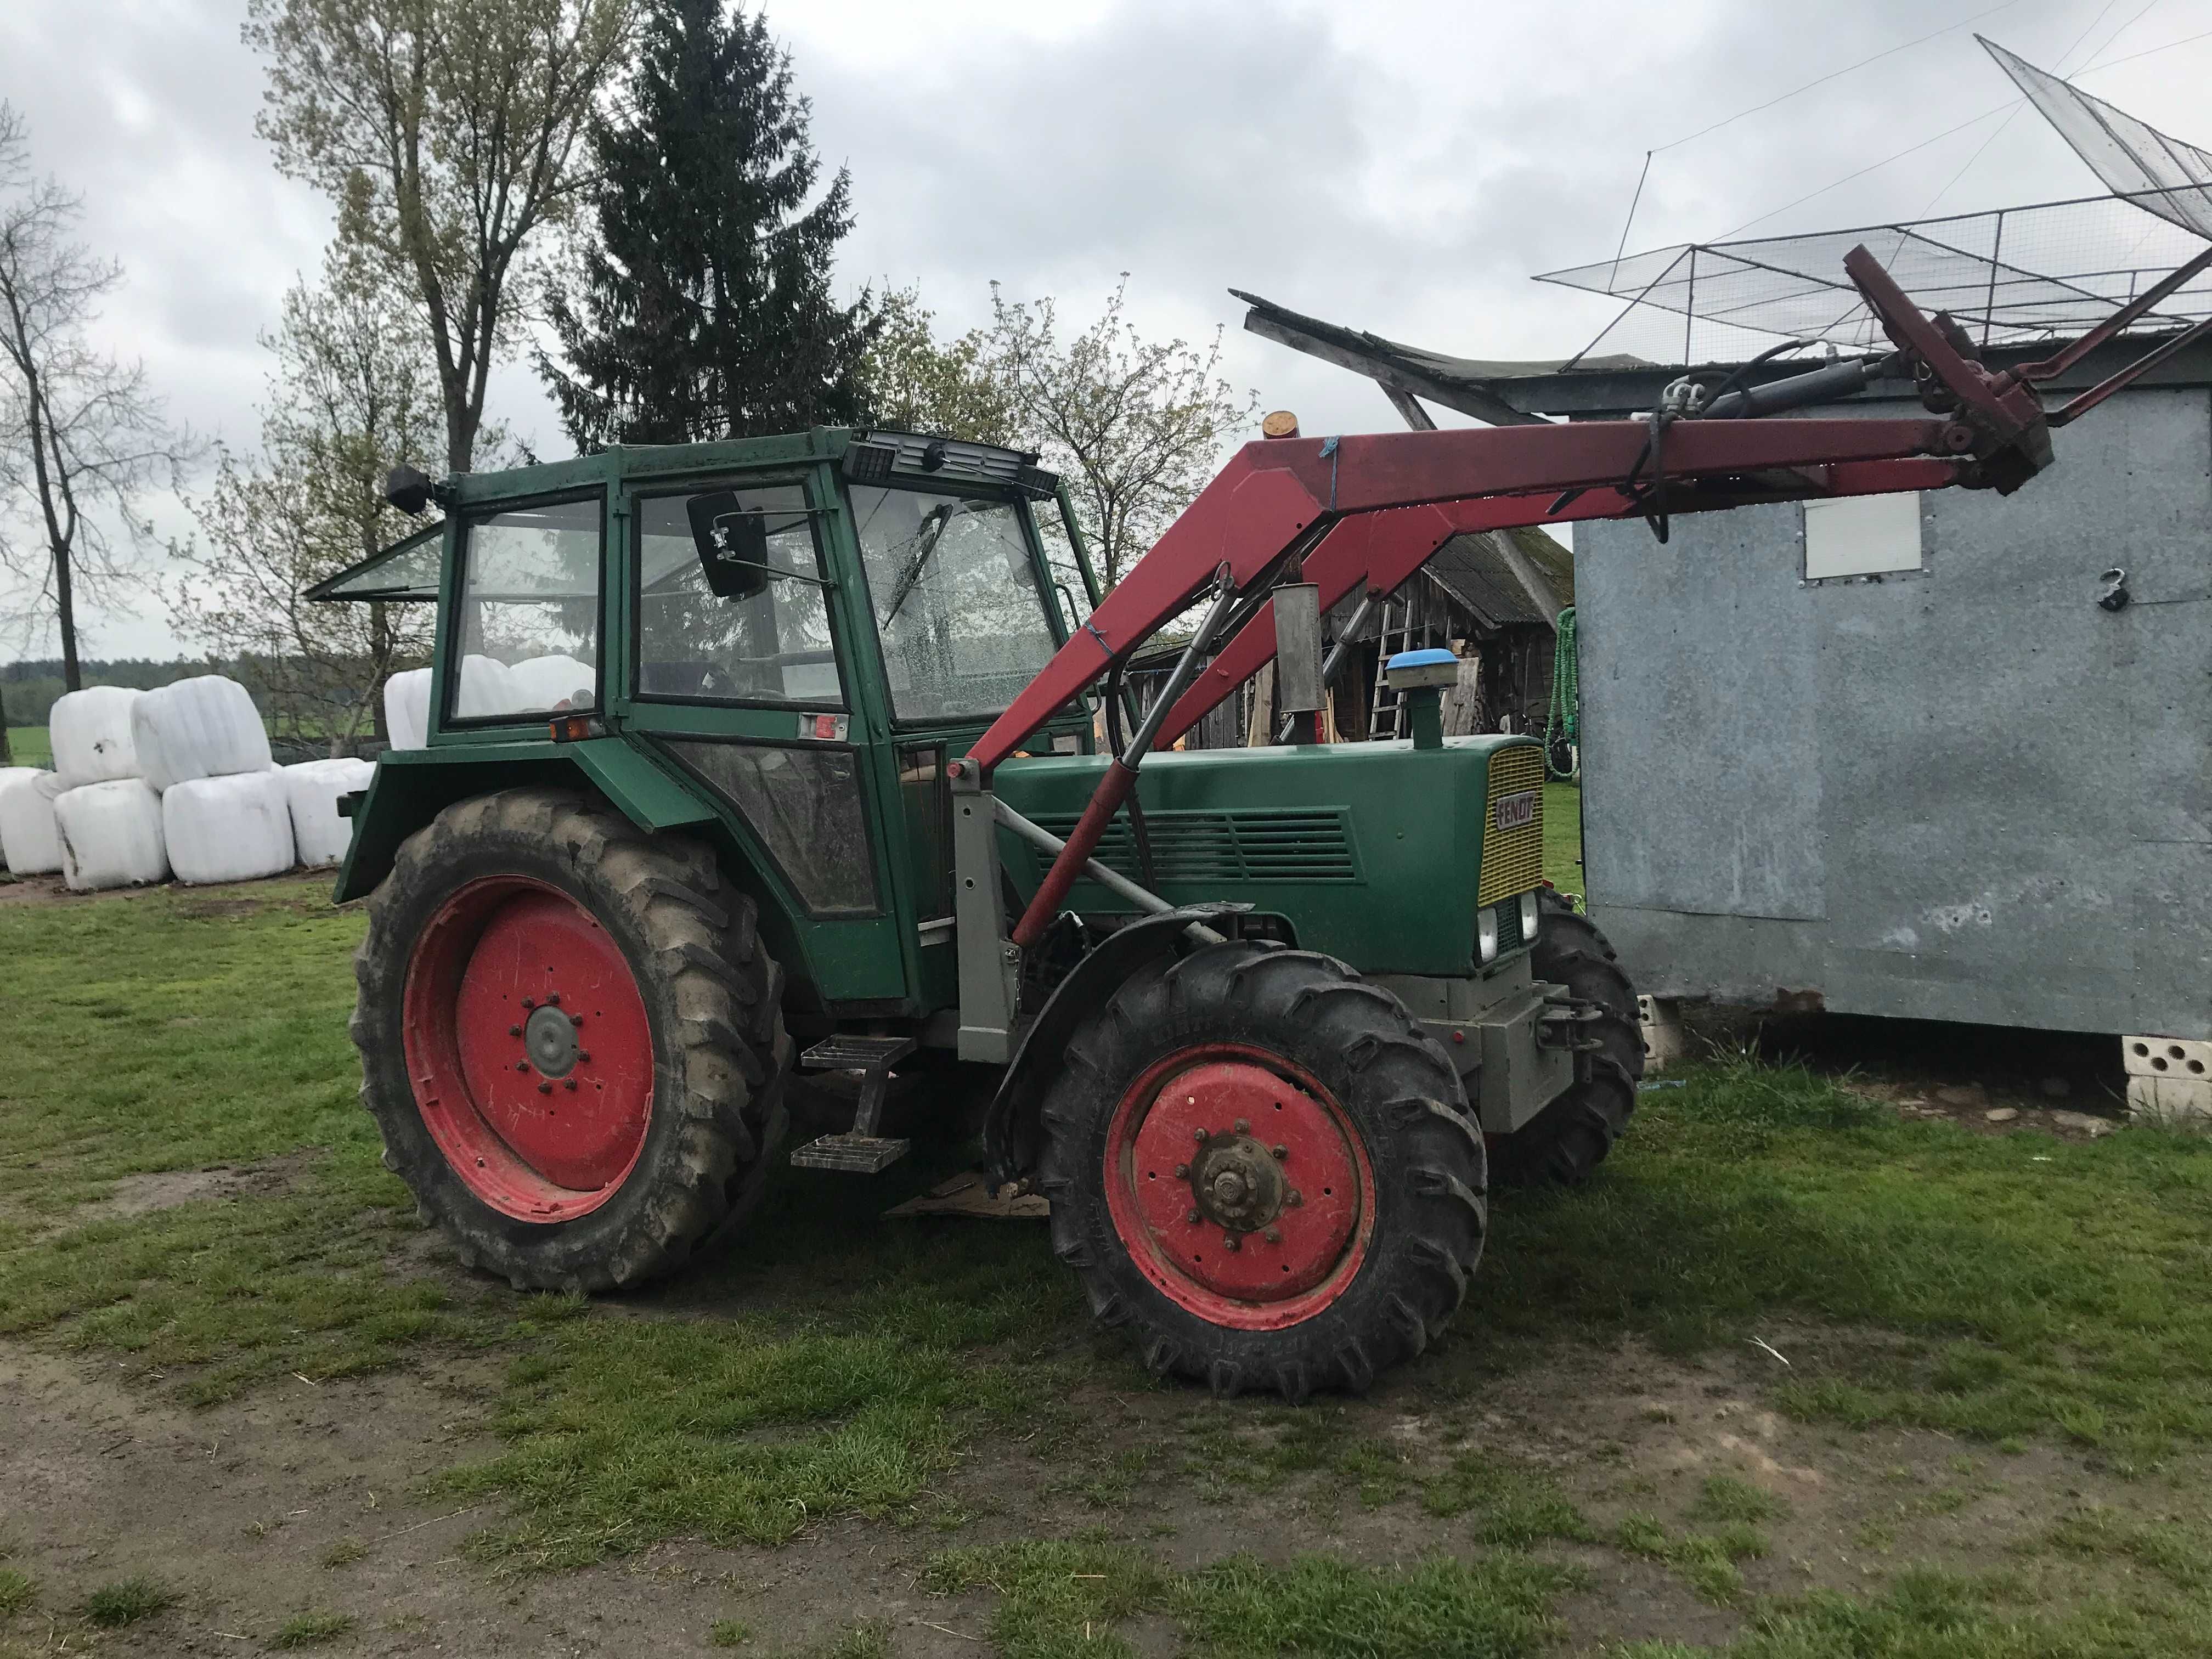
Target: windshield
x,y
956,600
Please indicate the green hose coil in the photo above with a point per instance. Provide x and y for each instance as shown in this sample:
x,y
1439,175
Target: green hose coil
x,y
1562,729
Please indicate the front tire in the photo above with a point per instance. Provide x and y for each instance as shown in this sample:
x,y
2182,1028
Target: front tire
x,y
1566,1141
571,1039
1261,1164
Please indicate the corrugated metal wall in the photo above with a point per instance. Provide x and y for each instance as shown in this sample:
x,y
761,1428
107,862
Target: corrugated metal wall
x,y
1965,793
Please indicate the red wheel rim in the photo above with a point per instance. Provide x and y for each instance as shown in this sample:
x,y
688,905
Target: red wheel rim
x,y
529,1048
1257,1150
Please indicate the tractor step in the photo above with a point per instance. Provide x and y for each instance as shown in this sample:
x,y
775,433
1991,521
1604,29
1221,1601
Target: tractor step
x,y
853,1154
857,1054
863,1151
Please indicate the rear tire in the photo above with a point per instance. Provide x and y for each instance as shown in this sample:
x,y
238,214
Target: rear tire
x,y
1364,1148
597,1033
1568,1139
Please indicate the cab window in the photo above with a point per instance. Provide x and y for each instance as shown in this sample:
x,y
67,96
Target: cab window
x,y
527,640
956,600
772,647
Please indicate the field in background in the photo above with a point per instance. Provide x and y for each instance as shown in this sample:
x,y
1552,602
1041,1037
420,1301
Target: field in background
x,y
1800,1373
29,746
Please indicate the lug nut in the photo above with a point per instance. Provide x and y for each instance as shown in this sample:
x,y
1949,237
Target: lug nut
x,y
1192,1217
553,999
1183,1172
521,1065
1280,1153
582,1054
1243,1127
1295,1198
544,1088
568,1083
1198,1134
1273,1234
514,1030
529,1002
1229,1242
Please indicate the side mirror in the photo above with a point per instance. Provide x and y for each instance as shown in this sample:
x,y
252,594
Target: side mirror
x,y
732,545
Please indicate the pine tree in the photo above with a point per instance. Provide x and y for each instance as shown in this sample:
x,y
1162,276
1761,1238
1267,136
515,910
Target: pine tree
x,y
702,307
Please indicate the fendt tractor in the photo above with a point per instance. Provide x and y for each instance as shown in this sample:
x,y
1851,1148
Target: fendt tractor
x,y
737,749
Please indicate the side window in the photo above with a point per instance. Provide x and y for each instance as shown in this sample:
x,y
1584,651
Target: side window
x,y
527,636
773,647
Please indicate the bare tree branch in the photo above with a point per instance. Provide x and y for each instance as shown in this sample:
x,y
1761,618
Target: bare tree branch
x,y
82,437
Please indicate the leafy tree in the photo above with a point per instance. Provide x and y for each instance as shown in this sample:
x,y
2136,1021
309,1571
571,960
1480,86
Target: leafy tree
x,y
1136,428
702,306
352,394
82,438
448,132
915,385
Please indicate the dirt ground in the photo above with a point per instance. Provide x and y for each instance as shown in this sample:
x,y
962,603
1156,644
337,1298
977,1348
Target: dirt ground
x,y
304,1497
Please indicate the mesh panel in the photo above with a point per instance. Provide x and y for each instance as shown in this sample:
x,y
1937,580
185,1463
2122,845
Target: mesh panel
x,y
2013,276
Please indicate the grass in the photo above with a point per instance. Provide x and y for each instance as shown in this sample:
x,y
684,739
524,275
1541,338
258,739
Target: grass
x,y
2005,1290
1563,835
127,1601
312,1629
729,1634
28,745
1055,1596
17,1591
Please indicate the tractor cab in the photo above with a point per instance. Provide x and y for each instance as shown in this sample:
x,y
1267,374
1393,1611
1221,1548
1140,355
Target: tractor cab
x,y
778,643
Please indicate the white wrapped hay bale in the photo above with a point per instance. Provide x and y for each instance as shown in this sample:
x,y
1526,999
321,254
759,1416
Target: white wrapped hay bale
x,y
407,708
29,844
111,835
237,828
488,688
91,735
203,727
543,684
312,789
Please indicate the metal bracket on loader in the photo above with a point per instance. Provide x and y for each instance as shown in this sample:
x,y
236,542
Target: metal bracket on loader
x,y
863,1151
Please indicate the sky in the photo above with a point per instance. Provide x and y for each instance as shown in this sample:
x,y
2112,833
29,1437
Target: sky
x,y
1401,165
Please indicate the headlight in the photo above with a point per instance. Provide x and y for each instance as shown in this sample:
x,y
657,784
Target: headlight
x,y
1486,935
1528,918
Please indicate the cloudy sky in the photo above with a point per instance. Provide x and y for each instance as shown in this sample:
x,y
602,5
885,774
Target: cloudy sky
x,y
1403,166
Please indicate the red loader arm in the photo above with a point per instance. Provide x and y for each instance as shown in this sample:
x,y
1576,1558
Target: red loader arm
x,y
1369,511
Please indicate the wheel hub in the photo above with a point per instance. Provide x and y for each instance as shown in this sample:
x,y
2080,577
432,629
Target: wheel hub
x,y
550,1037
1238,1184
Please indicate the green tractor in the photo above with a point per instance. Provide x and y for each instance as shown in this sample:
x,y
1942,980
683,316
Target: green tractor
x,y
747,757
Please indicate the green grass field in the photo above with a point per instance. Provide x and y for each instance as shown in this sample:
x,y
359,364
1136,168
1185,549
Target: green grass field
x,y
2011,1292
28,746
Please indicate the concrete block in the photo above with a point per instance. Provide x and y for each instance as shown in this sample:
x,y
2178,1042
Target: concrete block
x,y
2179,1100
2165,1056
1665,1042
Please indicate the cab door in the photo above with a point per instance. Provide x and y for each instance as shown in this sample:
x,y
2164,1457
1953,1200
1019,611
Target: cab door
x,y
754,695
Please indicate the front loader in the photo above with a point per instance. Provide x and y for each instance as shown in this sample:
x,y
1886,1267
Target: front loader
x,y
783,753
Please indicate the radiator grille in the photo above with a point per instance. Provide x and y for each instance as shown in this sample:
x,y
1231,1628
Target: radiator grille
x,y
1259,845
1512,859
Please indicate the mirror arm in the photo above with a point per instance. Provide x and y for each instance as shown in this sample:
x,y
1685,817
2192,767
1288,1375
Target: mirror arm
x,y
782,576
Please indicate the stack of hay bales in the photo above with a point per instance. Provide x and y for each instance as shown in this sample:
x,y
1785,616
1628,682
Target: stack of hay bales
x,y
106,817
28,845
312,788
224,811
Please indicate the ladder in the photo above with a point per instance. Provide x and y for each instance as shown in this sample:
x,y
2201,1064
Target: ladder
x,y
1395,631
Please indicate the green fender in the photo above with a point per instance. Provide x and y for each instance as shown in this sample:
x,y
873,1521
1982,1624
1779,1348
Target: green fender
x,y
413,786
